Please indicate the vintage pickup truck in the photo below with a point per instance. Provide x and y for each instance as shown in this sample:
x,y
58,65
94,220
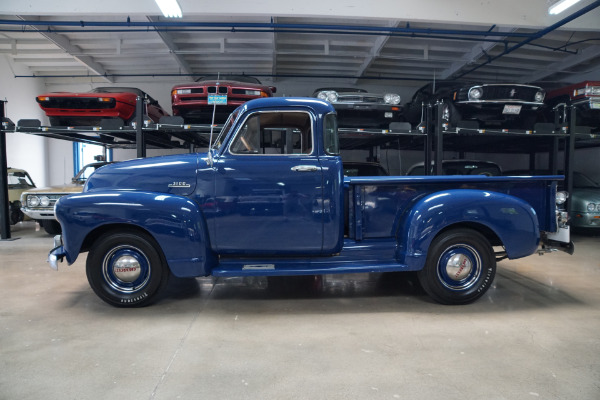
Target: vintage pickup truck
x,y
270,198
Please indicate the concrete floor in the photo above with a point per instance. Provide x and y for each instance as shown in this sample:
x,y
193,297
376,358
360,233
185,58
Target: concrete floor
x,y
535,334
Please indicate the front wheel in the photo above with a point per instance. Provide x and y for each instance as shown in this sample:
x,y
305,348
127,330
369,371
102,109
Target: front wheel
x,y
460,267
51,226
126,269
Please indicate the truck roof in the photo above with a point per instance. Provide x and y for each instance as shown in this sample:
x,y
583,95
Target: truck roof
x,y
318,106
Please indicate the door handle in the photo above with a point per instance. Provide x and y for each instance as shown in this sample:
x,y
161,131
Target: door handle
x,y
305,168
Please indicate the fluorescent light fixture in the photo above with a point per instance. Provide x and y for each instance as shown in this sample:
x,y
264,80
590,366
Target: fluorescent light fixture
x,y
558,7
169,8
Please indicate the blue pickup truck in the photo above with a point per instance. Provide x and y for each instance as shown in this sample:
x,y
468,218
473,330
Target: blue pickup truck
x,y
270,198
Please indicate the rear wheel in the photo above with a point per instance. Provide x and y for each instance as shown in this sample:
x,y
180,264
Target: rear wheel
x,y
126,269
460,267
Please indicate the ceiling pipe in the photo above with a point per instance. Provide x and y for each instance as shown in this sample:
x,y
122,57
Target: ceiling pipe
x,y
232,26
537,35
382,78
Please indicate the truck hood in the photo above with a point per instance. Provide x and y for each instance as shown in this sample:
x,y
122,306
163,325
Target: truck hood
x,y
168,174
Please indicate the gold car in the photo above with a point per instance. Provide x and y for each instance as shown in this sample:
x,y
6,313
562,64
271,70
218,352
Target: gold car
x,y
18,182
38,204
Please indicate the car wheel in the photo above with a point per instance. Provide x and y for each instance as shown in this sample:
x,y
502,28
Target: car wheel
x,y
127,269
15,213
460,267
51,226
450,114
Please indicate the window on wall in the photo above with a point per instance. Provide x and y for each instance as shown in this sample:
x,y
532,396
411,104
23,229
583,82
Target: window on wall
x,y
86,153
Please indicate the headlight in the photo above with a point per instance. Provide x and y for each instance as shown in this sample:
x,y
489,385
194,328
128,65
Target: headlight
x,y
252,92
591,207
561,197
328,95
475,93
183,91
539,96
33,201
44,201
592,90
391,98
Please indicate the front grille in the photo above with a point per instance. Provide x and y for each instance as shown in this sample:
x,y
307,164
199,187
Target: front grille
x,y
505,93
359,99
77,103
213,89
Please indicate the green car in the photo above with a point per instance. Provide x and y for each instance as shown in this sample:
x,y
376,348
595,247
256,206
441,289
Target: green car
x,y
18,182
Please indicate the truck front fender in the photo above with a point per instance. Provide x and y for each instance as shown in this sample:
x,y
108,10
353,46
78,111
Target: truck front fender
x,y
511,219
175,222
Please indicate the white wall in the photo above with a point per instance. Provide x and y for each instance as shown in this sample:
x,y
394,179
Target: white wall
x,y
24,151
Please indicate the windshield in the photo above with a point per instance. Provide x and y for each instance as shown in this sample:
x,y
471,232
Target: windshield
x,y
19,180
117,90
237,78
226,128
582,181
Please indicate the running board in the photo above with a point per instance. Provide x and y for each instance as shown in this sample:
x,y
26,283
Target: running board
x,y
238,267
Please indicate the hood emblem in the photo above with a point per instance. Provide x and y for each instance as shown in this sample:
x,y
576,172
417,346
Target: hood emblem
x,y
179,185
513,92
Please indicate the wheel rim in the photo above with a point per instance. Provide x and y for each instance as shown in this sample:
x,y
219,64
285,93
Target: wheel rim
x,y
459,267
126,269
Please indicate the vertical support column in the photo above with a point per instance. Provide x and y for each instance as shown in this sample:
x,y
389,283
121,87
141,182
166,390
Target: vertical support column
x,y
428,138
140,140
569,150
439,140
4,203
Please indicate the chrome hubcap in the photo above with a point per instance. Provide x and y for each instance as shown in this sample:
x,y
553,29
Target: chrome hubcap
x,y
127,268
459,267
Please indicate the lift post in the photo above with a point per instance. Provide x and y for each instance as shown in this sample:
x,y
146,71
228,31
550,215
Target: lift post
x,y
4,203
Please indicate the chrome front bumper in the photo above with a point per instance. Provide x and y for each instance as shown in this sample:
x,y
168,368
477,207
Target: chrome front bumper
x,y
57,253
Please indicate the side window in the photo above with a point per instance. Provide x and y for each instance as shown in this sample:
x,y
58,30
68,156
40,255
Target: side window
x,y
330,135
275,132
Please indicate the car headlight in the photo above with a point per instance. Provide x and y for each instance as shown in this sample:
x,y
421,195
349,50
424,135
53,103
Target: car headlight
x,y
33,201
475,93
592,90
592,207
183,91
328,95
561,197
391,98
44,201
539,96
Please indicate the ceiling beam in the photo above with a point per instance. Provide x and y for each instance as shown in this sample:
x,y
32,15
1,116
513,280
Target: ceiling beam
x,y
583,56
63,42
375,50
173,49
473,55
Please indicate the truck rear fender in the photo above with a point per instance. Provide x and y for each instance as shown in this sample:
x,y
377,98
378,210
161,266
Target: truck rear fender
x,y
508,218
175,222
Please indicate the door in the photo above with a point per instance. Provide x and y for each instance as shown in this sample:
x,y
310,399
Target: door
x,y
268,187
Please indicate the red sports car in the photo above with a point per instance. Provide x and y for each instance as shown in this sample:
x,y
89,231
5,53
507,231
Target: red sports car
x,y
584,96
195,101
87,109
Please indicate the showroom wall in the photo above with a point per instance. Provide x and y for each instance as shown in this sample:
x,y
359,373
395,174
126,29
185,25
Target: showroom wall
x,y
23,151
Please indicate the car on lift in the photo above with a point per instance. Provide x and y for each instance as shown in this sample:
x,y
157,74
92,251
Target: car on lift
x,y
584,96
363,168
459,167
584,199
358,108
195,102
38,203
18,182
492,106
89,108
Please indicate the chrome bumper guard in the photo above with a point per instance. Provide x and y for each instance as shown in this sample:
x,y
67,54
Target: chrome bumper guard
x,y
555,241
57,253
